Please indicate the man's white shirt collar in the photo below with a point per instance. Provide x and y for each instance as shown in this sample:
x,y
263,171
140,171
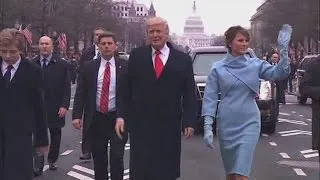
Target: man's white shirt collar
x,y
15,65
104,62
165,50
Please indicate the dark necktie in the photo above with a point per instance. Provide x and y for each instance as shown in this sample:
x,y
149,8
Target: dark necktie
x,y
44,63
7,75
104,99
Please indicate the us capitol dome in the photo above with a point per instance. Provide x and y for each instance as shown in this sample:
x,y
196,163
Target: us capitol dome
x,y
193,32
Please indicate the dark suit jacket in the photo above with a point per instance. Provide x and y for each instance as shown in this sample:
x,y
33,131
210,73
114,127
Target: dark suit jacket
x,y
85,97
21,116
57,89
310,87
156,108
87,56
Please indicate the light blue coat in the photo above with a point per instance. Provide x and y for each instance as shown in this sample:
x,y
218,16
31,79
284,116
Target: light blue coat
x,y
238,119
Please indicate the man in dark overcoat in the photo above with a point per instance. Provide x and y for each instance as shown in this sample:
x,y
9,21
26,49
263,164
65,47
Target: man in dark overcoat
x,y
22,116
160,98
57,91
310,87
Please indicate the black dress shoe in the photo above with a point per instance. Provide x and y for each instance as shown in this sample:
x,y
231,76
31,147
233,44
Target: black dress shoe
x,y
85,156
53,166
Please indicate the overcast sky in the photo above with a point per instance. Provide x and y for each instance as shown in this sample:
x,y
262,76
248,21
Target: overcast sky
x,y
217,15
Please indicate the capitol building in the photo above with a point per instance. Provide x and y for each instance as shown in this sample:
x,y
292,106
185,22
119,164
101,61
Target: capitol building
x,y
193,32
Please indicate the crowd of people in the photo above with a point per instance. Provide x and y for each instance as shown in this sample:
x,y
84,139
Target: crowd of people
x,y
149,99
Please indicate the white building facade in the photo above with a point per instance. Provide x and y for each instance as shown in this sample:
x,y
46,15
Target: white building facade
x,y
193,32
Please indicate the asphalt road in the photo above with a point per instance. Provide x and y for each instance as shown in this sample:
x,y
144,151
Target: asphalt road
x,y
286,155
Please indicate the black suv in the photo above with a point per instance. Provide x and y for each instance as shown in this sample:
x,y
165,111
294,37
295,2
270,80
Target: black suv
x,y
298,75
204,57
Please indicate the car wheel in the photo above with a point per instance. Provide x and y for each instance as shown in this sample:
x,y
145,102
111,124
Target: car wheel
x,y
301,99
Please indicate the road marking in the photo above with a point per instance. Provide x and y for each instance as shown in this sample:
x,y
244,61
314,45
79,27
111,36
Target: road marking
x,y
285,155
67,152
299,172
273,143
293,112
79,176
46,167
80,142
310,153
83,169
309,119
70,108
265,135
294,132
284,114
71,100
301,115
292,121
91,173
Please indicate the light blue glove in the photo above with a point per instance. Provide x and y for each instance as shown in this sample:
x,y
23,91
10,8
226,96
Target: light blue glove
x,y
208,134
284,36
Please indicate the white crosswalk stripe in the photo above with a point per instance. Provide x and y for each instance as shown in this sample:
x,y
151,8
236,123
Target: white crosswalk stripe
x,y
294,132
310,153
292,121
84,173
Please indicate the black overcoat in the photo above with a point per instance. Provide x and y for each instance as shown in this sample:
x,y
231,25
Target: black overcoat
x,y
57,89
157,108
310,87
21,116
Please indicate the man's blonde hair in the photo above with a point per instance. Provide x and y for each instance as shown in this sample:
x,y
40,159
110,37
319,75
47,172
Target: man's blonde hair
x,y
12,36
156,21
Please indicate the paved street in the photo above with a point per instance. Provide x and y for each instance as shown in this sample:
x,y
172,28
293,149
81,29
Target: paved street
x,y
286,155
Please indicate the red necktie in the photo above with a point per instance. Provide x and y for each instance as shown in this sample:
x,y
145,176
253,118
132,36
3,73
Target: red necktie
x,y
104,100
158,64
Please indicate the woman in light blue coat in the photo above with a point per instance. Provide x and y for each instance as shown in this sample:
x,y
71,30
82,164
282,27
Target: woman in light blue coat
x,y
236,77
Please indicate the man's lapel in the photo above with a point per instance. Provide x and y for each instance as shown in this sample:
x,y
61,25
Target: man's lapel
x,y
19,75
118,69
37,61
95,71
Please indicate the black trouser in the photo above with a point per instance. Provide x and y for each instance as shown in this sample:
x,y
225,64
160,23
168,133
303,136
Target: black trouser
x,y
55,136
55,140
280,95
85,145
100,134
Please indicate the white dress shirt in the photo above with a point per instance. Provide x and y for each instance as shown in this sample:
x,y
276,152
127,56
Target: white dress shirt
x,y
96,52
112,87
13,70
165,51
48,60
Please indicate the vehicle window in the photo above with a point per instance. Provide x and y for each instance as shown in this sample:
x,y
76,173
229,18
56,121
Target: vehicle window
x,y
203,62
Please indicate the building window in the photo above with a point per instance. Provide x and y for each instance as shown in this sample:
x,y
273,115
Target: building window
x,y
141,9
121,8
121,14
137,8
126,14
145,14
126,8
